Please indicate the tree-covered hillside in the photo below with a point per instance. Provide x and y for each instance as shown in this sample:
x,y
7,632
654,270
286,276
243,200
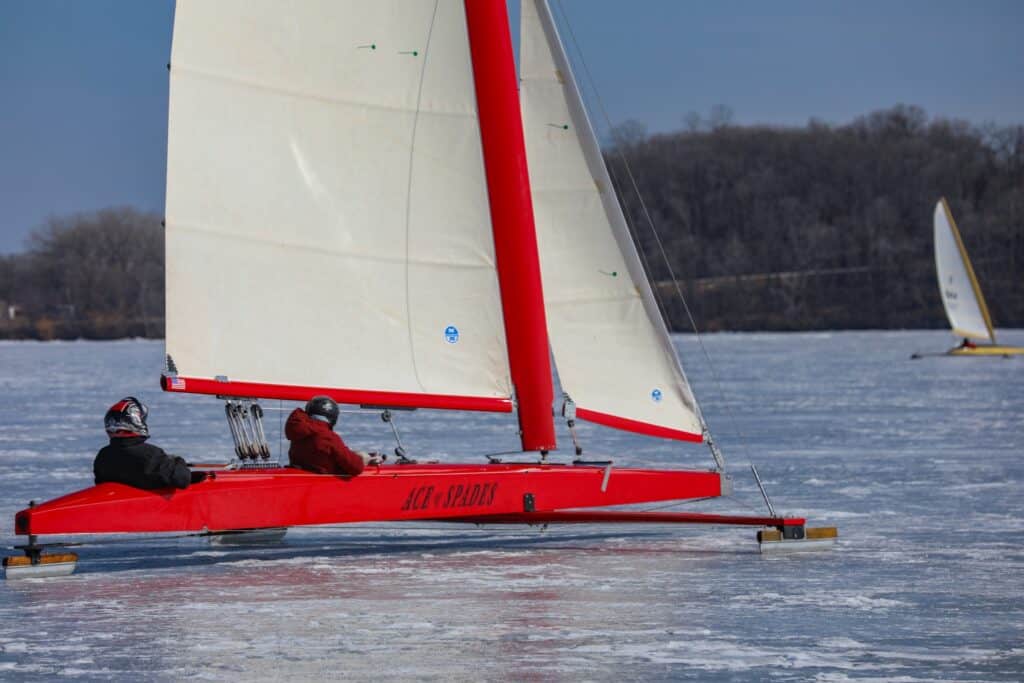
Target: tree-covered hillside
x,y
826,227
820,227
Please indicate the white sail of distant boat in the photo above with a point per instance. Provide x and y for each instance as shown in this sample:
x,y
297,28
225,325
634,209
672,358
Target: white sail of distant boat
x,y
961,295
960,291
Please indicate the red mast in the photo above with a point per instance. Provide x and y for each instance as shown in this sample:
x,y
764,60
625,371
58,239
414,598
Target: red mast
x,y
515,238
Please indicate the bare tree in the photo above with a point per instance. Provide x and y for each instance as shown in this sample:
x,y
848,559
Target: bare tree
x,y
95,274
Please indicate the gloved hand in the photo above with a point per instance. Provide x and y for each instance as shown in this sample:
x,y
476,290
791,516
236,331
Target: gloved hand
x,y
196,477
371,458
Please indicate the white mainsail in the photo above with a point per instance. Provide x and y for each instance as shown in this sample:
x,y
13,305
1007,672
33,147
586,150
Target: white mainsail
x,y
961,295
611,348
327,214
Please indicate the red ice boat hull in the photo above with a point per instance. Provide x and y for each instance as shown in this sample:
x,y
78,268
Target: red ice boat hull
x,y
283,497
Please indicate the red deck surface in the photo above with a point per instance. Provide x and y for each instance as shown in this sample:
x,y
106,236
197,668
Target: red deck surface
x,y
288,497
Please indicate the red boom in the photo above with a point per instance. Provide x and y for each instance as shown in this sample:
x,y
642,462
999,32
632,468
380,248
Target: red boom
x,y
636,426
288,392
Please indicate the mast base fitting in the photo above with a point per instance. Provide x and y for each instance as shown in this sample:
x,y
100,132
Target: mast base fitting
x,y
796,538
35,565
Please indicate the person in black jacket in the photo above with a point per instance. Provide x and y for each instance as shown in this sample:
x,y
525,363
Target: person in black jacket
x,y
129,459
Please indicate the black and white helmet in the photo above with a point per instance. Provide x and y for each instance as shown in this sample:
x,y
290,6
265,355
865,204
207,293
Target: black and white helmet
x,y
323,408
126,418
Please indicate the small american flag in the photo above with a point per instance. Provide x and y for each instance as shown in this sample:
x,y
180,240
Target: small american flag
x,y
176,383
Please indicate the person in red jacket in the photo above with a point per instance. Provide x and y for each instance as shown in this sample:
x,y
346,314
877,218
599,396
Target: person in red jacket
x,y
315,445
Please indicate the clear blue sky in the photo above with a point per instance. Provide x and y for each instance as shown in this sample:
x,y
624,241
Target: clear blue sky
x,y
83,84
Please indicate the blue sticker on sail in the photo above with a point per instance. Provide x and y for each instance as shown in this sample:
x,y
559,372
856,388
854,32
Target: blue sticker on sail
x,y
656,395
451,334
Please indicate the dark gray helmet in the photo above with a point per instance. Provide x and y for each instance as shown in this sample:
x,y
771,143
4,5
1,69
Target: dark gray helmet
x,y
323,408
127,418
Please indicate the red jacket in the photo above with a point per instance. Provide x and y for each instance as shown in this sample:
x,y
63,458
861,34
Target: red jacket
x,y
317,448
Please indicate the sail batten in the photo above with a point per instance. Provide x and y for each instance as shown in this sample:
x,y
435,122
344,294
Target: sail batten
x,y
328,225
611,348
482,263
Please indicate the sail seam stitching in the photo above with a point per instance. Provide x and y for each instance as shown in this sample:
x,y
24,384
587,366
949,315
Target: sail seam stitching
x,y
320,249
305,94
566,301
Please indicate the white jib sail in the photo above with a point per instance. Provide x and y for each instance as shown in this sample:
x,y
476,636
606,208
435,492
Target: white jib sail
x,y
327,214
961,295
611,348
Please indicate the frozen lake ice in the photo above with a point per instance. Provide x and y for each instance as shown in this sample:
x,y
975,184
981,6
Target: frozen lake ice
x,y
920,464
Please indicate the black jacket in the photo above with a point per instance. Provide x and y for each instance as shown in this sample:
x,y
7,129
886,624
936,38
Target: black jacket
x,y
132,461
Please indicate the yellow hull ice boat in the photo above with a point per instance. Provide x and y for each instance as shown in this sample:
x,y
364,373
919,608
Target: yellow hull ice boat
x,y
961,294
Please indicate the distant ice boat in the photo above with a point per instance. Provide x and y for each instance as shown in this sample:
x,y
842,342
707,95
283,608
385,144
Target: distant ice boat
x,y
961,294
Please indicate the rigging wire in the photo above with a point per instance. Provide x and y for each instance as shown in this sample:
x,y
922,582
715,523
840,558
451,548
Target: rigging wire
x,y
653,230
